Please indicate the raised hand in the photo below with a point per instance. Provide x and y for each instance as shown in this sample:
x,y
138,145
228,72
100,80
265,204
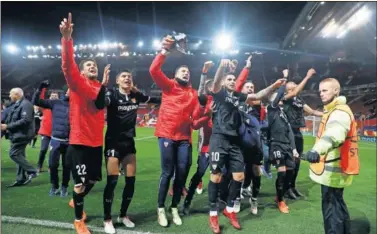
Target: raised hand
x,y
279,83
135,89
66,27
106,75
207,65
44,84
248,61
167,42
311,73
233,65
285,73
225,63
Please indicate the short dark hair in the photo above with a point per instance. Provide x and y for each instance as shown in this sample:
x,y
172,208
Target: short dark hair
x,y
82,62
53,91
48,94
229,73
248,81
180,68
123,70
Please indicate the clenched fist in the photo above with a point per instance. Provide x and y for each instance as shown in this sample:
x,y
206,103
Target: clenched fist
x,y
311,72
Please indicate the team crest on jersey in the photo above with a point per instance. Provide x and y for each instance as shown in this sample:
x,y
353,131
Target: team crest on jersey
x,y
120,101
207,155
214,166
166,144
133,100
233,100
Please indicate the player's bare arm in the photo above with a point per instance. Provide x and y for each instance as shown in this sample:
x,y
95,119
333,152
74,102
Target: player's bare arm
x,y
265,92
225,63
310,111
207,65
296,90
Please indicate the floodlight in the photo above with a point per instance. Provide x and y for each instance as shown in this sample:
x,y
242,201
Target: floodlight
x,y
223,41
13,49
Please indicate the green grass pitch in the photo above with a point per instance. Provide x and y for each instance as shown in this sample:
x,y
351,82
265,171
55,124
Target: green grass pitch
x,y
32,201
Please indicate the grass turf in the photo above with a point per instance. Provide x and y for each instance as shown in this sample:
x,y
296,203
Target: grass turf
x,y
32,201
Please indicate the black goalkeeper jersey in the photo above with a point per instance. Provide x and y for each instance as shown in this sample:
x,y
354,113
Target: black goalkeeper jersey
x,y
294,109
122,113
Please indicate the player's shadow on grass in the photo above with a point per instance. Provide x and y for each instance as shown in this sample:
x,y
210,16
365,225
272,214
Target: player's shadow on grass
x,y
359,222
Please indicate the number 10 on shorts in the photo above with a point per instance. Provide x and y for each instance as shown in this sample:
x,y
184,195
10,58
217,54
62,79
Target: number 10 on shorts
x,y
215,156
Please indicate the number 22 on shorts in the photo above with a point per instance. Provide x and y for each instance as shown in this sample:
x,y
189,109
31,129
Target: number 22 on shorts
x,y
81,169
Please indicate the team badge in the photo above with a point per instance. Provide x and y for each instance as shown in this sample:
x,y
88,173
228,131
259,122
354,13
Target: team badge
x,y
214,166
207,155
133,100
120,101
166,144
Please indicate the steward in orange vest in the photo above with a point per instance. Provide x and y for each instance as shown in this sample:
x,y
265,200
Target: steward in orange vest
x,y
334,157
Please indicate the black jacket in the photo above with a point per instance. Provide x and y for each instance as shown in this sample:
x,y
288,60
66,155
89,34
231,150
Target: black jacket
x,y
20,121
60,115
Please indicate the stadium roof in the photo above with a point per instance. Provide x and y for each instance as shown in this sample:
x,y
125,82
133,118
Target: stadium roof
x,y
343,30
250,22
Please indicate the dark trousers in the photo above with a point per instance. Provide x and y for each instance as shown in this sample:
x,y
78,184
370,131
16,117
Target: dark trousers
x,y
17,154
45,141
299,142
203,162
58,148
266,158
336,218
176,156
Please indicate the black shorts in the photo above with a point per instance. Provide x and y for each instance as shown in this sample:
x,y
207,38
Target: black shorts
x,y
225,152
299,140
284,155
253,156
119,149
85,163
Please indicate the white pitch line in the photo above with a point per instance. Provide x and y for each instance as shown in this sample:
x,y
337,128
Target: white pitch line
x,y
55,224
144,138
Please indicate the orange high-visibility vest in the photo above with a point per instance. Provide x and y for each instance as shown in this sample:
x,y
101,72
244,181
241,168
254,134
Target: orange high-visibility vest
x,y
349,150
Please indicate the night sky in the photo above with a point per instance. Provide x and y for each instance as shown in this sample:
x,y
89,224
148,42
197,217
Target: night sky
x,y
250,22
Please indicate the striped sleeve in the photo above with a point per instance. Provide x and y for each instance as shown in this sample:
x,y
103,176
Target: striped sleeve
x,y
336,129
